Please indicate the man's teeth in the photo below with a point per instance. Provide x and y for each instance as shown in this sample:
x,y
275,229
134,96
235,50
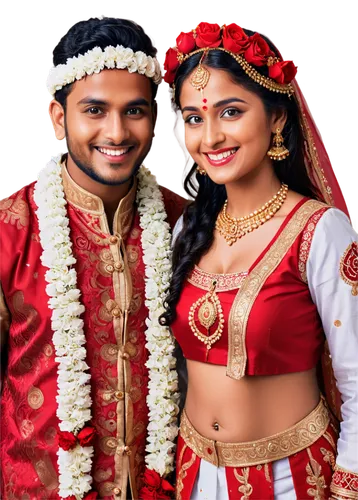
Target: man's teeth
x,y
223,155
113,152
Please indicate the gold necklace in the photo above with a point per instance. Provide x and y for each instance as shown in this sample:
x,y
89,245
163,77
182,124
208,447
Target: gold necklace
x,y
209,309
232,228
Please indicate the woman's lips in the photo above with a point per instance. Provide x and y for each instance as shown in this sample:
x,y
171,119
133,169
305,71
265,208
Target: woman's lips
x,y
221,157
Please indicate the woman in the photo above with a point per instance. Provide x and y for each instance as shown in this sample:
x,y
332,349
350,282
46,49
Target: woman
x,y
264,283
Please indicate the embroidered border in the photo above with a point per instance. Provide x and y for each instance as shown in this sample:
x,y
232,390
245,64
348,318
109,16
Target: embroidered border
x,y
224,282
306,242
183,471
345,483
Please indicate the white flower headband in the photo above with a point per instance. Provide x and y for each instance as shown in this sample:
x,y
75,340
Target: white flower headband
x,y
96,59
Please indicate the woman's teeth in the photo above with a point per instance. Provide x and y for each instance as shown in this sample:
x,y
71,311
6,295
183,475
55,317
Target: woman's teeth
x,y
223,155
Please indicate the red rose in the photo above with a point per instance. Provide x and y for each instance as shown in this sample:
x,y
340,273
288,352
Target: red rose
x,y
147,493
208,35
171,64
86,436
258,51
91,496
283,72
166,486
66,440
186,42
235,39
151,478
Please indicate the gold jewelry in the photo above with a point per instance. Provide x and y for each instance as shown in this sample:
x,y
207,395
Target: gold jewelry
x,y
264,81
209,311
233,229
200,78
200,170
278,150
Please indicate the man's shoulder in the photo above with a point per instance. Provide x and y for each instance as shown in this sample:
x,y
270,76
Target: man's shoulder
x,y
174,205
17,209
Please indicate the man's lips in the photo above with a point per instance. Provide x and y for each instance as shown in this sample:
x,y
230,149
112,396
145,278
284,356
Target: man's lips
x,y
115,154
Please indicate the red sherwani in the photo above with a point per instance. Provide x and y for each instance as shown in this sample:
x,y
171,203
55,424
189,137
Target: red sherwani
x,y
110,273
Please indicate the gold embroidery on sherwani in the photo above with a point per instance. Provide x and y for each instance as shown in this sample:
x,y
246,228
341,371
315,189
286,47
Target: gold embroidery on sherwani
x,y
46,472
15,211
265,450
314,478
35,398
246,489
4,314
328,457
182,468
349,267
253,283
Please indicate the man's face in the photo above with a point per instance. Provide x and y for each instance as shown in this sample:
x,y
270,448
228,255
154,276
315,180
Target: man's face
x,y
109,124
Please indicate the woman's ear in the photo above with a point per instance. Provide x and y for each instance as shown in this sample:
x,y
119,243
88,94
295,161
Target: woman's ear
x,y
278,120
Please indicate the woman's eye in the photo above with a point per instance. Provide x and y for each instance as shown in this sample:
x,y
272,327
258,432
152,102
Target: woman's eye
x,y
193,120
231,112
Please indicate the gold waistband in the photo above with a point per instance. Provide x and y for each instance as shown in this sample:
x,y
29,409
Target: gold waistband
x,y
269,449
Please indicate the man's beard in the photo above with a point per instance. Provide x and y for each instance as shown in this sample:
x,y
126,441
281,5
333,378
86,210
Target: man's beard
x,y
97,177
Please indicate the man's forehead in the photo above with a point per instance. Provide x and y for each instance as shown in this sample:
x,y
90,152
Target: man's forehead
x,y
112,86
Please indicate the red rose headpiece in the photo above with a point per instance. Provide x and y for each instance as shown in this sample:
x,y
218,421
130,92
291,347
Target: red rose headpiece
x,y
248,51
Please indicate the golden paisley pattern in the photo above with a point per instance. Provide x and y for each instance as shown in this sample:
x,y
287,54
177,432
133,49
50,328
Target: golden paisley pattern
x,y
349,267
315,478
15,211
246,488
35,398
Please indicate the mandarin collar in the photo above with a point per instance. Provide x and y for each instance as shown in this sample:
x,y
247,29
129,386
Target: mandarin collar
x,y
92,204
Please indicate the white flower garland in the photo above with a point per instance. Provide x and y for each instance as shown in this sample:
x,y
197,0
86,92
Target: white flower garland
x,y
73,399
96,59
163,397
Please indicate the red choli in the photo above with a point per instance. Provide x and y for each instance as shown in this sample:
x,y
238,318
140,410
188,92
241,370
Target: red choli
x,y
284,333
116,354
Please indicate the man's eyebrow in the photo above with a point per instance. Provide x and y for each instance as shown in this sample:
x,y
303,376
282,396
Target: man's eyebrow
x,y
99,102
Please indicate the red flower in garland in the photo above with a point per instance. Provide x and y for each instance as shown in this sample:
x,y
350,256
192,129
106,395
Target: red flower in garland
x,y
258,51
283,71
235,39
171,64
67,440
155,487
186,42
208,35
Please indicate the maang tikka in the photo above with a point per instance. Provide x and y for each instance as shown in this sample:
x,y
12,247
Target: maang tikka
x,y
200,78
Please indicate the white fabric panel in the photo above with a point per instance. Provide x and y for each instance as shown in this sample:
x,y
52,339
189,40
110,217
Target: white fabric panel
x,y
334,301
283,487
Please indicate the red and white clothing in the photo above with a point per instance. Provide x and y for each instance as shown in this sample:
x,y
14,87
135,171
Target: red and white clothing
x,y
110,273
296,304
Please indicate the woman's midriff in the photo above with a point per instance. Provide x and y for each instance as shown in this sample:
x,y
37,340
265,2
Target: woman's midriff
x,y
248,409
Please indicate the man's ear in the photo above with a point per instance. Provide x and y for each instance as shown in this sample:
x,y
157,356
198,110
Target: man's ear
x,y
57,115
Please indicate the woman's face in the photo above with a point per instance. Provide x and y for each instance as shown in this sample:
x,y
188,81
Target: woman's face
x,y
230,137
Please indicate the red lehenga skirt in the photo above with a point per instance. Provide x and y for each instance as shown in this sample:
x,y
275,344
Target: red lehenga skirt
x,y
248,469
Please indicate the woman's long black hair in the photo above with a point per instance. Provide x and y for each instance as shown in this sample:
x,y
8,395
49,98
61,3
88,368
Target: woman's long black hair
x,y
196,236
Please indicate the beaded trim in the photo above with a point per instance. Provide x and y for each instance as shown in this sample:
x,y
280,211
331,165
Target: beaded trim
x,y
224,282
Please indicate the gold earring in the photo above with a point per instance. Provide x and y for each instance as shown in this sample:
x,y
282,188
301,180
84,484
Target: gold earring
x,y
200,170
278,150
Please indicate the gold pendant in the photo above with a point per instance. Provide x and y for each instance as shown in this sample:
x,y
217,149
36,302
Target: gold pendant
x,y
209,310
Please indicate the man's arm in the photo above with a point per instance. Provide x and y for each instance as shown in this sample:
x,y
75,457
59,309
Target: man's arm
x,y
4,333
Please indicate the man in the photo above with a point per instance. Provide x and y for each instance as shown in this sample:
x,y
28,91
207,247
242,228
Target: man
x,y
95,223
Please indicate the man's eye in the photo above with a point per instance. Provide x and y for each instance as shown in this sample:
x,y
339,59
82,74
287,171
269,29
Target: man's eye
x,y
134,111
94,111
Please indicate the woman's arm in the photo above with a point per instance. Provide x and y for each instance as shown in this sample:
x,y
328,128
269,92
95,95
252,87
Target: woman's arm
x,y
332,273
